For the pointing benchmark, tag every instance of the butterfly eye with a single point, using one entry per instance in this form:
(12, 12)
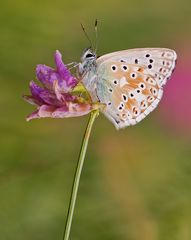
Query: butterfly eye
(89, 55)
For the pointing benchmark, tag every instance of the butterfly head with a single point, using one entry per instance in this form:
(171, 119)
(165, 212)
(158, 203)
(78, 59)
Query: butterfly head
(88, 56)
(88, 61)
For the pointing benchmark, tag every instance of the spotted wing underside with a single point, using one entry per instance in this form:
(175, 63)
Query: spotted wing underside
(130, 82)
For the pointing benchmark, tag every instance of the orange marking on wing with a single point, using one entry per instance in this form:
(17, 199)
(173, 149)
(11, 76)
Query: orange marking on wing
(146, 91)
(130, 103)
(116, 96)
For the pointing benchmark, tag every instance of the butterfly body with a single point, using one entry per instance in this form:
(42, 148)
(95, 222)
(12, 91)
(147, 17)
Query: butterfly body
(130, 82)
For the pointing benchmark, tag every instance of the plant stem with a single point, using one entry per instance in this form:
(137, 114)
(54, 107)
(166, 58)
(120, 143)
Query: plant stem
(77, 175)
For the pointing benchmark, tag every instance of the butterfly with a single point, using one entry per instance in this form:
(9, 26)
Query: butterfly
(129, 82)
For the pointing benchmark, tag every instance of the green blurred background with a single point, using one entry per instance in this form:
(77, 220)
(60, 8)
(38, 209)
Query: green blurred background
(136, 182)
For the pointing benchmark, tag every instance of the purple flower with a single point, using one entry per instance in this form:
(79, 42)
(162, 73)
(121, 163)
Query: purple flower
(62, 75)
(55, 99)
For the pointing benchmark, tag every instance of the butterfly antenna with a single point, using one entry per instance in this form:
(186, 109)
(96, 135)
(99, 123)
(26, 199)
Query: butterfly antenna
(83, 28)
(96, 35)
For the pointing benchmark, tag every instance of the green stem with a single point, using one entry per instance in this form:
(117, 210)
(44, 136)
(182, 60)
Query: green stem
(77, 175)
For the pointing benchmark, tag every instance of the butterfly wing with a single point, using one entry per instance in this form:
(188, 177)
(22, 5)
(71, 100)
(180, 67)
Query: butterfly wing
(130, 82)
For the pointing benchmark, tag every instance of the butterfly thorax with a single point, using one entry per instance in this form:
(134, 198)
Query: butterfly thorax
(87, 72)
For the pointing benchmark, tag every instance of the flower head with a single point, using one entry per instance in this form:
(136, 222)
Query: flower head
(55, 98)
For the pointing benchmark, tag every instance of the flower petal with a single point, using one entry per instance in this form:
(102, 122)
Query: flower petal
(64, 72)
(33, 115)
(46, 75)
(79, 109)
(50, 98)
(61, 112)
(72, 110)
(44, 96)
(62, 96)
(35, 91)
(69, 110)
(31, 100)
(42, 112)
(46, 111)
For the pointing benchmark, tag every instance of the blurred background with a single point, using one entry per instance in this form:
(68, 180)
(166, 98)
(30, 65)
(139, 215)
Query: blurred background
(136, 182)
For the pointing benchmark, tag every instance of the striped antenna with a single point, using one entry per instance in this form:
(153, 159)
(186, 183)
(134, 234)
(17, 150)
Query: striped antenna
(96, 35)
(88, 38)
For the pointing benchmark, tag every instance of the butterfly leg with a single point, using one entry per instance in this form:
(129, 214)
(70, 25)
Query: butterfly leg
(71, 63)
(75, 64)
